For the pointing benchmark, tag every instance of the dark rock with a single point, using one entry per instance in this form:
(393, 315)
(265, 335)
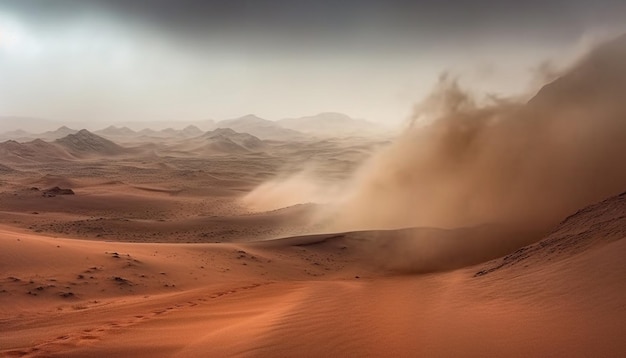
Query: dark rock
(57, 191)
(122, 281)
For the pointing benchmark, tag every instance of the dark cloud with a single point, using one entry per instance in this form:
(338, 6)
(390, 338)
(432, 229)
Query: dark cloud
(371, 59)
(339, 22)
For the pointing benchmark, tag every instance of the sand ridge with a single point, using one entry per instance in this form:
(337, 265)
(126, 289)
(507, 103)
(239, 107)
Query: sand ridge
(78, 297)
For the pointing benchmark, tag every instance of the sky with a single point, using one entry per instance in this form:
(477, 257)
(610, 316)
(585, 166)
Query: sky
(110, 61)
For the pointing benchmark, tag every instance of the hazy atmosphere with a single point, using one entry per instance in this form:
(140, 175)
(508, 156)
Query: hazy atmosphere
(312, 179)
(123, 61)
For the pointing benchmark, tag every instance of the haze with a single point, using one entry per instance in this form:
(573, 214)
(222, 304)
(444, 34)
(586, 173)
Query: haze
(117, 61)
(291, 179)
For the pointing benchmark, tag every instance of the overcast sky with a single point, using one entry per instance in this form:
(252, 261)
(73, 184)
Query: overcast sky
(121, 60)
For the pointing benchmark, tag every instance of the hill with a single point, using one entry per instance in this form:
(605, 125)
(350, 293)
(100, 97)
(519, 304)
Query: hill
(330, 124)
(259, 127)
(33, 151)
(191, 131)
(245, 140)
(113, 131)
(223, 141)
(156, 126)
(56, 134)
(86, 143)
(17, 135)
(188, 132)
(598, 77)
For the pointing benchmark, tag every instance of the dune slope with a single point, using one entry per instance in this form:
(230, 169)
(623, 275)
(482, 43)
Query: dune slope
(314, 296)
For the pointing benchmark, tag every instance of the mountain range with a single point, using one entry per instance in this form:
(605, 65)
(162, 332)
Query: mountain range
(327, 124)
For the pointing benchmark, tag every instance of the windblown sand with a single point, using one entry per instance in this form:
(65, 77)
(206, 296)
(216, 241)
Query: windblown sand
(222, 244)
(312, 296)
(157, 260)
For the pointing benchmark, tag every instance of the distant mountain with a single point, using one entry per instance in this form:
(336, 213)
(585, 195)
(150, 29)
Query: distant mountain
(259, 127)
(148, 132)
(191, 131)
(22, 135)
(598, 77)
(187, 132)
(86, 143)
(220, 146)
(113, 131)
(331, 124)
(245, 140)
(29, 124)
(56, 134)
(168, 132)
(33, 151)
(222, 141)
(203, 125)
(17, 135)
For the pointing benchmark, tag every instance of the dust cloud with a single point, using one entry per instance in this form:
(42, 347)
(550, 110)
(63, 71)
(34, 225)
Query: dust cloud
(464, 162)
(303, 187)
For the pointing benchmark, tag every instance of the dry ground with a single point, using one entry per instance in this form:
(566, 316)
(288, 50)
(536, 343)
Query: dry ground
(159, 258)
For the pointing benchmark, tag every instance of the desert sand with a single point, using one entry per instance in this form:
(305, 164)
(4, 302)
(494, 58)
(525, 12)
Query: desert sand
(315, 296)
(222, 243)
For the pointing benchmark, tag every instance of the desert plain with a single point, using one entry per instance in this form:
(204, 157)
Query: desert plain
(218, 242)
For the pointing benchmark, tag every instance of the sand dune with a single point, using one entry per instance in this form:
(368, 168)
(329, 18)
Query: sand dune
(146, 197)
(65, 292)
(311, 296)
(590, 228)
(180, 243)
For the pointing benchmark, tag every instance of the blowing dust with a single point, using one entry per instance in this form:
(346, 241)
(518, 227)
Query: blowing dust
(498, 162)
(304, 187)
